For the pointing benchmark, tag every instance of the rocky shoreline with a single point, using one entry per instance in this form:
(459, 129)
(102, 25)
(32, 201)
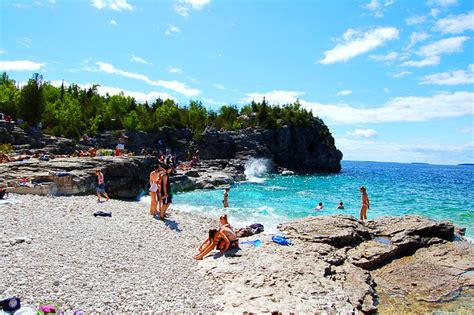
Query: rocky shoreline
(54, 249)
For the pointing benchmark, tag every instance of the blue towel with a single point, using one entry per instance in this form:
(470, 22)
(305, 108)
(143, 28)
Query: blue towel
(281, 240)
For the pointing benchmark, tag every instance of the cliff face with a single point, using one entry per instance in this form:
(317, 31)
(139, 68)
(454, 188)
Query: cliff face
(301, 149)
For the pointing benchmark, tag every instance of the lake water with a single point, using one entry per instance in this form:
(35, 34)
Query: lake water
(436, 191)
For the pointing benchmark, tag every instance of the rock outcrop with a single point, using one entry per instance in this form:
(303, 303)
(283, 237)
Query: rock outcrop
(301, 149)
(337, 263)
(126, 177)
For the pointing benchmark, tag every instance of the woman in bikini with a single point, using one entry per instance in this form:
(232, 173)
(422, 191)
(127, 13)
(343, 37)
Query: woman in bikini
(155, 190)
(365, 203)
(225, 199)
(222, 239)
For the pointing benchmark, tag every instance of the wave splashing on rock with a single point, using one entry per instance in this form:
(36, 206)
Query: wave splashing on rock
(256, 169)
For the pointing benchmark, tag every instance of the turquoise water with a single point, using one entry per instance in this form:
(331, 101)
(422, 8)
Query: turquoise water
(435, 191)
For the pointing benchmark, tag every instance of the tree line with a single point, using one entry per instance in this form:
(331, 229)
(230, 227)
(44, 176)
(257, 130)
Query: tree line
(70, 111)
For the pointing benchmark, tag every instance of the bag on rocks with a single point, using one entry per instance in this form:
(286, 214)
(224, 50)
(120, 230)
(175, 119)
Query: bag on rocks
(250, 230)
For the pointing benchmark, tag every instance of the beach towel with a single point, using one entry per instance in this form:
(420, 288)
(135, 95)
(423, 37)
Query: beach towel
(281, 240)
(255, 243)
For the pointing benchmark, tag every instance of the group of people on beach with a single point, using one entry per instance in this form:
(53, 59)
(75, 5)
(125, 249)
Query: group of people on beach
(363, 210)
(160, 189)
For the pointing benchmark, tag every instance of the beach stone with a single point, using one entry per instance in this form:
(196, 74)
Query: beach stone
(338, 230)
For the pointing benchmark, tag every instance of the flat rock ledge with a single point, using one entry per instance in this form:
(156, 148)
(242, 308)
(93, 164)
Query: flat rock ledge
(126, 177)
(337, 263)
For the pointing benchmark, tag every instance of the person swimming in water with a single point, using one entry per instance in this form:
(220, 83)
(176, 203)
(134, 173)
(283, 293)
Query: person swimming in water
(319, 206)
(340, 206)
(365, 203)
(225, 199)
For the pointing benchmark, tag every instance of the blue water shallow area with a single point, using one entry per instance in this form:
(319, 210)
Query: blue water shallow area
(435, 191)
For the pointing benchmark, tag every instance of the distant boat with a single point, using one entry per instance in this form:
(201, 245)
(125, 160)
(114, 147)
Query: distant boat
(466, 164)
(419, 163)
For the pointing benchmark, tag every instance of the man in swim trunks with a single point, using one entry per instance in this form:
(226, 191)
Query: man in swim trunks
(365, 203)
(101, 185)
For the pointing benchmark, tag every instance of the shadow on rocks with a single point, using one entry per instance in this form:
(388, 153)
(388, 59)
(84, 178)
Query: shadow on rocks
(228, 253)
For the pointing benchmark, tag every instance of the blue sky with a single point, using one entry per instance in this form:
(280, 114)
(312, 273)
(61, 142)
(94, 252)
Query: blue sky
(393, 79)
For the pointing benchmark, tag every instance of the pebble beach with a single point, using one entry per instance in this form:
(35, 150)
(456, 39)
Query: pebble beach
(54, 249)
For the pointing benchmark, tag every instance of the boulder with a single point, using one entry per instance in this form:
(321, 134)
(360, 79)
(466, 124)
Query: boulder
(337, 230)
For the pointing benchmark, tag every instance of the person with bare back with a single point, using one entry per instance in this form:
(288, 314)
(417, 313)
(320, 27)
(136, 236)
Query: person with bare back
(365, 203)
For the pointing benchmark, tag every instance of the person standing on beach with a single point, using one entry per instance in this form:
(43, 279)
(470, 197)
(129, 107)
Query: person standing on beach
(225, 199)
(165, 190)
(365, 203)
(101, 185)
(155, 190)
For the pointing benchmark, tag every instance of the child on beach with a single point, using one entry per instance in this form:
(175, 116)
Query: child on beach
(225, 199)
(101, 185)
(365, 203)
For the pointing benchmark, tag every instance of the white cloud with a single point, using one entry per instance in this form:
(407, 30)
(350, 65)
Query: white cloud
(377, 7)
(444, 46)
(456, 24)
(401, 74)
(467, 130)
(25, 42)
(454, 77)
(428, 61)
(363, 133)
(398, 109)
(113, 22)
(344, 92)
(388, 57)
(432, 52)
(140, 97)
(442, 3)
(219, 86)
(417, 19)
(417, 37)
(172, 30)
(273, 97)
(174, 70)
(171, 85)
(116, 5)
(434, 12)
(421, 151)
(184, 6)
(20, 65)
(356, 43)
(2, 52)
(136, 59)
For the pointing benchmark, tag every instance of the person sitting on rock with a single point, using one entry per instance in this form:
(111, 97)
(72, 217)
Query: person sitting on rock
(340, 206)
(319, 206)
(222, 239)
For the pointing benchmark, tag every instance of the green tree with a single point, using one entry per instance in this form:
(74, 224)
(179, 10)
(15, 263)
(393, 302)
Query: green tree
(32, 102)
(9, 95)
